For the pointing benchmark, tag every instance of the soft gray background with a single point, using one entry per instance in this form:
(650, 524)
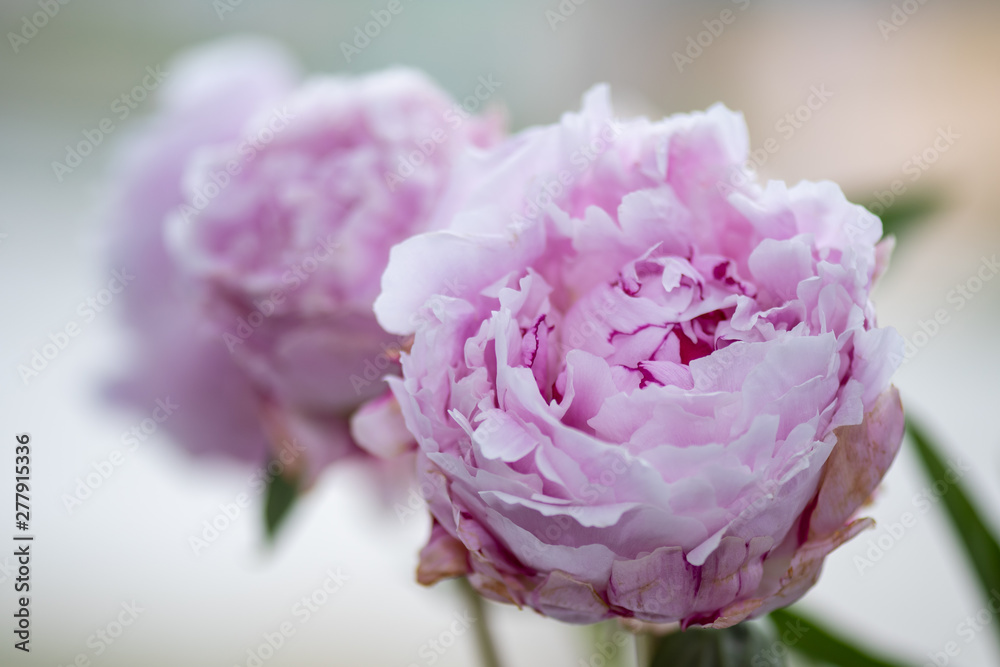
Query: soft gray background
(129, 541)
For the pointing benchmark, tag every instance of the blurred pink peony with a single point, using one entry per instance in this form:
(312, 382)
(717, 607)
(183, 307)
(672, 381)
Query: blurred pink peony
(279, 201)
(642, 386)
(208, 95)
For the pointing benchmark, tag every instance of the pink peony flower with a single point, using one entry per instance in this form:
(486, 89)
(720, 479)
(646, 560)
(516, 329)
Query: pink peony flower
(208, 95)
(278, 222)
(641, 385)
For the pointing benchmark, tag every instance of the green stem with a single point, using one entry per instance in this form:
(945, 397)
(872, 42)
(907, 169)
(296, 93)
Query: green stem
(484, 638)
(633, 657)
(645, 646)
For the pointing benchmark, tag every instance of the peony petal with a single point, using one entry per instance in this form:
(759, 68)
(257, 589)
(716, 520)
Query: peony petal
(379, 428)
(857, 464)
(659, 587)
(443, 557)
(565, 599)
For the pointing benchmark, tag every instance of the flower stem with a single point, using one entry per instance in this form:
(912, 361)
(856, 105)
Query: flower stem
(484, 639)
(633, 657)
(645, 647)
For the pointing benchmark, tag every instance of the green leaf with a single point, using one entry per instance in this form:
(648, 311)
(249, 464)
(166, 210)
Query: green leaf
(908, 210)
(282, 493)
(743, 645)
(980, 543)
(808, 638)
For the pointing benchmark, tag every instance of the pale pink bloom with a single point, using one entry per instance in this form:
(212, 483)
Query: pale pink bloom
(641, 385)
(279, 210)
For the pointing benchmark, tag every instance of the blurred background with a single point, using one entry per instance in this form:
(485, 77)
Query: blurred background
(885, 81)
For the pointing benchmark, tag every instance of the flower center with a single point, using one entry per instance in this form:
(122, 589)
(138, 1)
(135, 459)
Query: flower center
(661, 313)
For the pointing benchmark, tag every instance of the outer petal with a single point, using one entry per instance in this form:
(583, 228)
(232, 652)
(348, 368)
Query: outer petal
(379, 428)
(568, 600)
(799, 575)
(443, 557)
(858, 463)
(853, 471)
